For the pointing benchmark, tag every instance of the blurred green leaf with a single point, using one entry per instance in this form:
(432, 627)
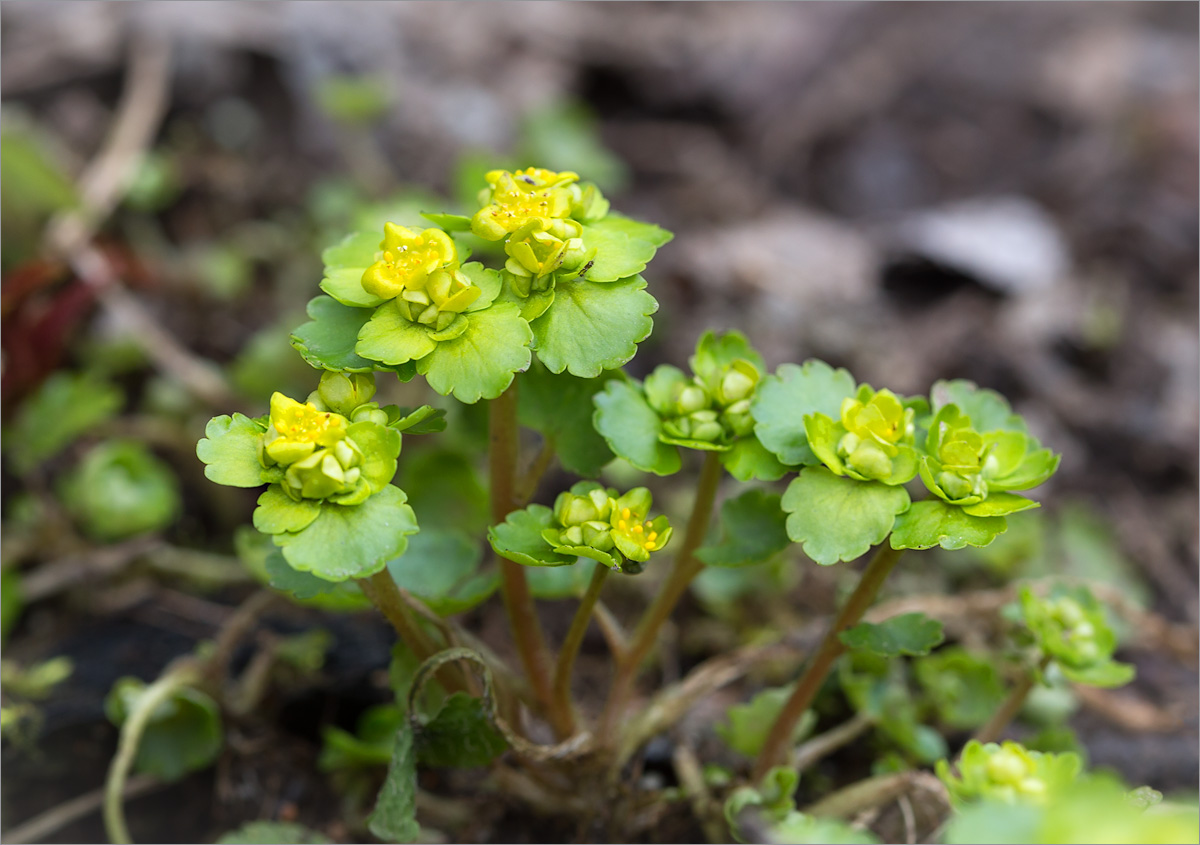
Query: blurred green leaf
(351, 99)
(908, 633)
(564, 135)
(933, 522)
(445, 490)
(560, 407)
(32, 187)
(963, 688)
(441, 567)
(372, 743)
(121, 490)
(783, 399)
(184, 733)
(753, 530)
(66, 406)
(749, 724)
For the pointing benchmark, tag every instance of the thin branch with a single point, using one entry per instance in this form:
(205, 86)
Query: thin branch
(44, 825)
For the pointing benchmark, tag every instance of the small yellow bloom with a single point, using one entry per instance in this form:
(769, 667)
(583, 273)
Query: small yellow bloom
(516, 199)
(300, 429)
(407, 260)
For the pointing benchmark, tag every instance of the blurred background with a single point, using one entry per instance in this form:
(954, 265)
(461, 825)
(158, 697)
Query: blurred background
(1000, 192)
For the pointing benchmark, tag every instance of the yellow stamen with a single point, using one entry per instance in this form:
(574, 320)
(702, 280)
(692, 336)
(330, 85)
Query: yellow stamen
(648, 546)
(652, 536)
(637, 529)
(626, 513)
(622, 524)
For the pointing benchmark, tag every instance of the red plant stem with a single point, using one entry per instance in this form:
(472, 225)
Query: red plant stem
(503, 455)
(775, 749)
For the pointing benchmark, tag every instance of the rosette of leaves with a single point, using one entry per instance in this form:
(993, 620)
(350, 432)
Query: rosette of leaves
(571, 267)
(1069, 627)
(121, 489)
(588, 521)
(646, 423)
(329, 504)
(408, 304)
(1008, 773)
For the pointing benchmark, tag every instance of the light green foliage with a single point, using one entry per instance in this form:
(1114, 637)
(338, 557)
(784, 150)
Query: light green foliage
(908, 633)
(964, 689)
(587, 521)
(32, 187)
(774, 797)
(752, 531)
(1008, 773)
(560, 582)
(37, 681)
(1069, 626)
(799, 829)
(273, 833)
(785, 398)
(747, 725)
(707, 411)
(934, 523)
(184, 733)
(1093, 808)
(441, 567)
(66, 406)
(446, 489)
(871, 440)
(837, 518)
(329, 339)
(352, 100)
(121, 490)
(305, 588)
(564, 135)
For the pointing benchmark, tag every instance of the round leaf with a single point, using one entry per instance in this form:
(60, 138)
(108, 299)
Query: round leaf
(389, 337)
(837, 518)
(631, 428)
(353, 541)
(480, 363)
(277, 512)
(618, 256)
(909, 633)
(345, 264)
(752, 531)
(441, 568)
(593, 327)
(936, 523)
(328, 341)
(782, 401)
(229, 451)
(560, 407)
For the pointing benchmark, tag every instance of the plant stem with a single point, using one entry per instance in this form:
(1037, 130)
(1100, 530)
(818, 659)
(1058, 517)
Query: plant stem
(504, 444)
(570, 646)
(775, 749)
(183, 674)
(381, 589)
(1007, 711)
(685, 569)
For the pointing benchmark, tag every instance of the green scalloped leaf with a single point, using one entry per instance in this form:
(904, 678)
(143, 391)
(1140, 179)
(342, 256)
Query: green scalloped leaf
(753, 530)
(914, 634)
(636, 229)
(328, 341)
(345, 264)
(481, 362)
(837, 518)
(1034, 469)
(618, 256)
(631, 428)
(935, 523)
(560, 407)
(387, 336)
(748, 460)
(229, 451)
(441, 568)
(594, 327)
(353, 541)
(1001, 504)
(747, 725)
(277, 512)
(988, 410)
(519, 538)
(785, 398)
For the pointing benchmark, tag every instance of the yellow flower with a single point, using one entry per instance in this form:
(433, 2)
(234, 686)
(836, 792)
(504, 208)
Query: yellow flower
(516, 199)
(408, 259)
(300, 429)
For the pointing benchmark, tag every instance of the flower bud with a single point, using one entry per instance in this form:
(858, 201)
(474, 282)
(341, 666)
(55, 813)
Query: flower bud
(343, 392)
(1006, 766)
(370, 412)
(870, 461)
(691, 399)
(738, 383)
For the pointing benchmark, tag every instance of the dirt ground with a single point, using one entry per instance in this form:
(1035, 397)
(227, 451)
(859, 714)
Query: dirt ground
(1000, 192)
